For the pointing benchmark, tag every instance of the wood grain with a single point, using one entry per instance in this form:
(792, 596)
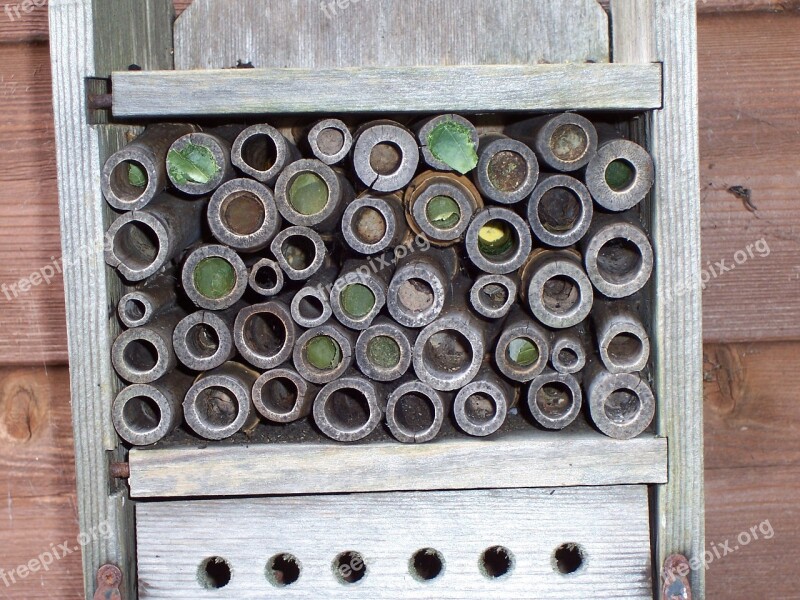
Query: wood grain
(92, 38)
(32, 329)
(387, 529)
(478, 89)
(530, 459)
(363, 33)
(750, 137)
(672, 134)
(37, 481)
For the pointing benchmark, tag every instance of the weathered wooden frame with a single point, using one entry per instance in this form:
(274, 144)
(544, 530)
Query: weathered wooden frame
(90, 38)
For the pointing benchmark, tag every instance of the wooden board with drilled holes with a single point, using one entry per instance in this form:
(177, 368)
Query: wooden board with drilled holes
(608, 525)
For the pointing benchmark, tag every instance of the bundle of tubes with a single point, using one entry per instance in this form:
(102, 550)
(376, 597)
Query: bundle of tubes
(380, 276)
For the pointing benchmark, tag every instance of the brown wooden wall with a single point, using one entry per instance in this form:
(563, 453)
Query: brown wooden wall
(749, 52)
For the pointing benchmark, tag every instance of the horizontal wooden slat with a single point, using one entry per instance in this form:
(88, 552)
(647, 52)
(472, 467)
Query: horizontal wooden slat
(516, 459)
(32, 329)
(750, 138)
(399, 89)
(609, 525)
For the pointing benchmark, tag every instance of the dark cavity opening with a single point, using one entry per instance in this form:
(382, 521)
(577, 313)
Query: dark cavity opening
(266, 277)
(129, 180)
(448, 352)
(349, 567)
(568, 357)
(622, 406)
(283, 570)
(140, 356)
(299, 252)
(347, 409)
(310, 307)
(217, 407)
(568, 558)
(280, 395)
(259, 152)
(135, 309)
(136, 245)
(496, 562)
(264, 333)
(480, 409)
(554, 399)
(427, 564)
(414, 413)
(214, 573)
(619, 260)
(494, 295)
(625, 348)
(202, 340)
(142, 414)
(560, 294)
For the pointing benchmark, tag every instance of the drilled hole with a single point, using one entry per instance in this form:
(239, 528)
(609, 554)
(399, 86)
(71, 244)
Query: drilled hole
(283, 570)
(568, 558)
(426, 564)
(349, 567)
(214, 573)
(496, 562)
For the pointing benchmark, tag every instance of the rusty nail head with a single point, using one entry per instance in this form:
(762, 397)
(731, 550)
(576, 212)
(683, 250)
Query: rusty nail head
(109, 579)
(675, 576)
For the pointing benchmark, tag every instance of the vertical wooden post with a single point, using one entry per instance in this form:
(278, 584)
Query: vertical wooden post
(665, 31)
(89, 39)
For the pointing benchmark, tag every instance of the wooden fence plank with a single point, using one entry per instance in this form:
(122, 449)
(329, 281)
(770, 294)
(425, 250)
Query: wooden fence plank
(749, 144)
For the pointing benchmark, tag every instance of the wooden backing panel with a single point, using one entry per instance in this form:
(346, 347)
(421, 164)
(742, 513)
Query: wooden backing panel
(37, 531)
(387, 529)
(752, 416)
(764, 498)
(350, 33)
(391, 89)
(36, 452)
(32, 327)
(750, 138)
(529, 459)
(91, 38)
(676, 320)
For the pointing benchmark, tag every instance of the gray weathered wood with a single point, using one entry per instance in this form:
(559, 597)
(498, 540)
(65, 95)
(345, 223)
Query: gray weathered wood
(610, 524)
(665, 30)
(515, 459)
(301, 33)
(91, 38)
(387, 89)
